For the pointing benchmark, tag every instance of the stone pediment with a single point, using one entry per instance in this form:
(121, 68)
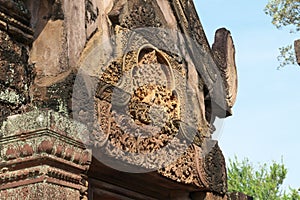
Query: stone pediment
(112, 99)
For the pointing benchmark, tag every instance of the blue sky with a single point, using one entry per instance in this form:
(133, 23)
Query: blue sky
(265, 124)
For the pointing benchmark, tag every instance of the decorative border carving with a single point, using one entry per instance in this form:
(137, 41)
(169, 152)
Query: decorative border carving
(43, 147)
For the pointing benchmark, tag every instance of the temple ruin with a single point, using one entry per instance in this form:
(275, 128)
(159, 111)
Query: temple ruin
(112, 99)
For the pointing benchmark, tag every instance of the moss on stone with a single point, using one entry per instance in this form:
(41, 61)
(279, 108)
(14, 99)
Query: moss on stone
(11, 97)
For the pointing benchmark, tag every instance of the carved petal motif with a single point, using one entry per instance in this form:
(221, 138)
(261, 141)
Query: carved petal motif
(224, 51)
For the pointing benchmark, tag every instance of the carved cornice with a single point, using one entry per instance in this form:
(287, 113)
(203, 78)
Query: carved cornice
(42, 146)
(47, 189)
(39, 174)
(42, 120)
(191, 26)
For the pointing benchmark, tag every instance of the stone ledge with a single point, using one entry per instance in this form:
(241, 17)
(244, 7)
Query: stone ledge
(43, 120)
(42, 147)
(38, 191)
(38, 174)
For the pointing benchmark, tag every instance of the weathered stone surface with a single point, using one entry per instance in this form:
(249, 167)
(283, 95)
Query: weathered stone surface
(60, 37)
(16, 9)
(45, 191)
(224, 52)
(93, 12)
(40, 151)
(14, 20)
(151, 80)
(42, 119)
(297, 50)
(75, 25)
(165, 8)
(16, 74)
(49, 51)
(55, 93)
(43, 11)
(60, 31)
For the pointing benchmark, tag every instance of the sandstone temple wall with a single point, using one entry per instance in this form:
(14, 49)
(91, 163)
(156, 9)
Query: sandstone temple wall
(112, 99)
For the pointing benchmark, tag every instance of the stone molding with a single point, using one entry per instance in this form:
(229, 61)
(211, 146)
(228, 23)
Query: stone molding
(15, 19)
(43, 147)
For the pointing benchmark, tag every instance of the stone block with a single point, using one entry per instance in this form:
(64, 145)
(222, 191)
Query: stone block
(75, 27)
(297, 50)
(49, 51)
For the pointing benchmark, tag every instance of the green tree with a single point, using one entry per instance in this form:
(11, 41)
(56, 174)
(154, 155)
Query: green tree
(263, 182)
(285, 13)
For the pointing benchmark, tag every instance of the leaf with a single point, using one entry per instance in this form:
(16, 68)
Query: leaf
(262, 183)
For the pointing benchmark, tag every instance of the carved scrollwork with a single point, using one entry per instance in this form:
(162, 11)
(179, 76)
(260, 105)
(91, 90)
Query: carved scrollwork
(206, 170)
(224, 52)
(184, 170)
(144, 116)
(142, 100)
(135, 14)
(155, 88)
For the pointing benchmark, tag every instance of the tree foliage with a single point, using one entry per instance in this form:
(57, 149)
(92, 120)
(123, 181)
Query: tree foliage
(285, 13)
(287, 56)
(262, 183)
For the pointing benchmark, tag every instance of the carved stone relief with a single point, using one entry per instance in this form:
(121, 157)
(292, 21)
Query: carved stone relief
(224, 52)
(150, 90)
(139, 104)
(146, 120)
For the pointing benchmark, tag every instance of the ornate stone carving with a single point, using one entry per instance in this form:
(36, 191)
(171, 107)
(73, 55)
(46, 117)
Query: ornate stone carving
(205, 170)
(142, 81)
(147, 120)
(151, 94)
(40, 149)
(224, 52)
(40, 191)
(136, 14)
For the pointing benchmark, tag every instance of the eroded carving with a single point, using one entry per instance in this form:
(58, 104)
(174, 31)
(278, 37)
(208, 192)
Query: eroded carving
(136, 14)
(147, 94)
(146, 120)
(155, 91)
(42, 147)
(224, 52)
